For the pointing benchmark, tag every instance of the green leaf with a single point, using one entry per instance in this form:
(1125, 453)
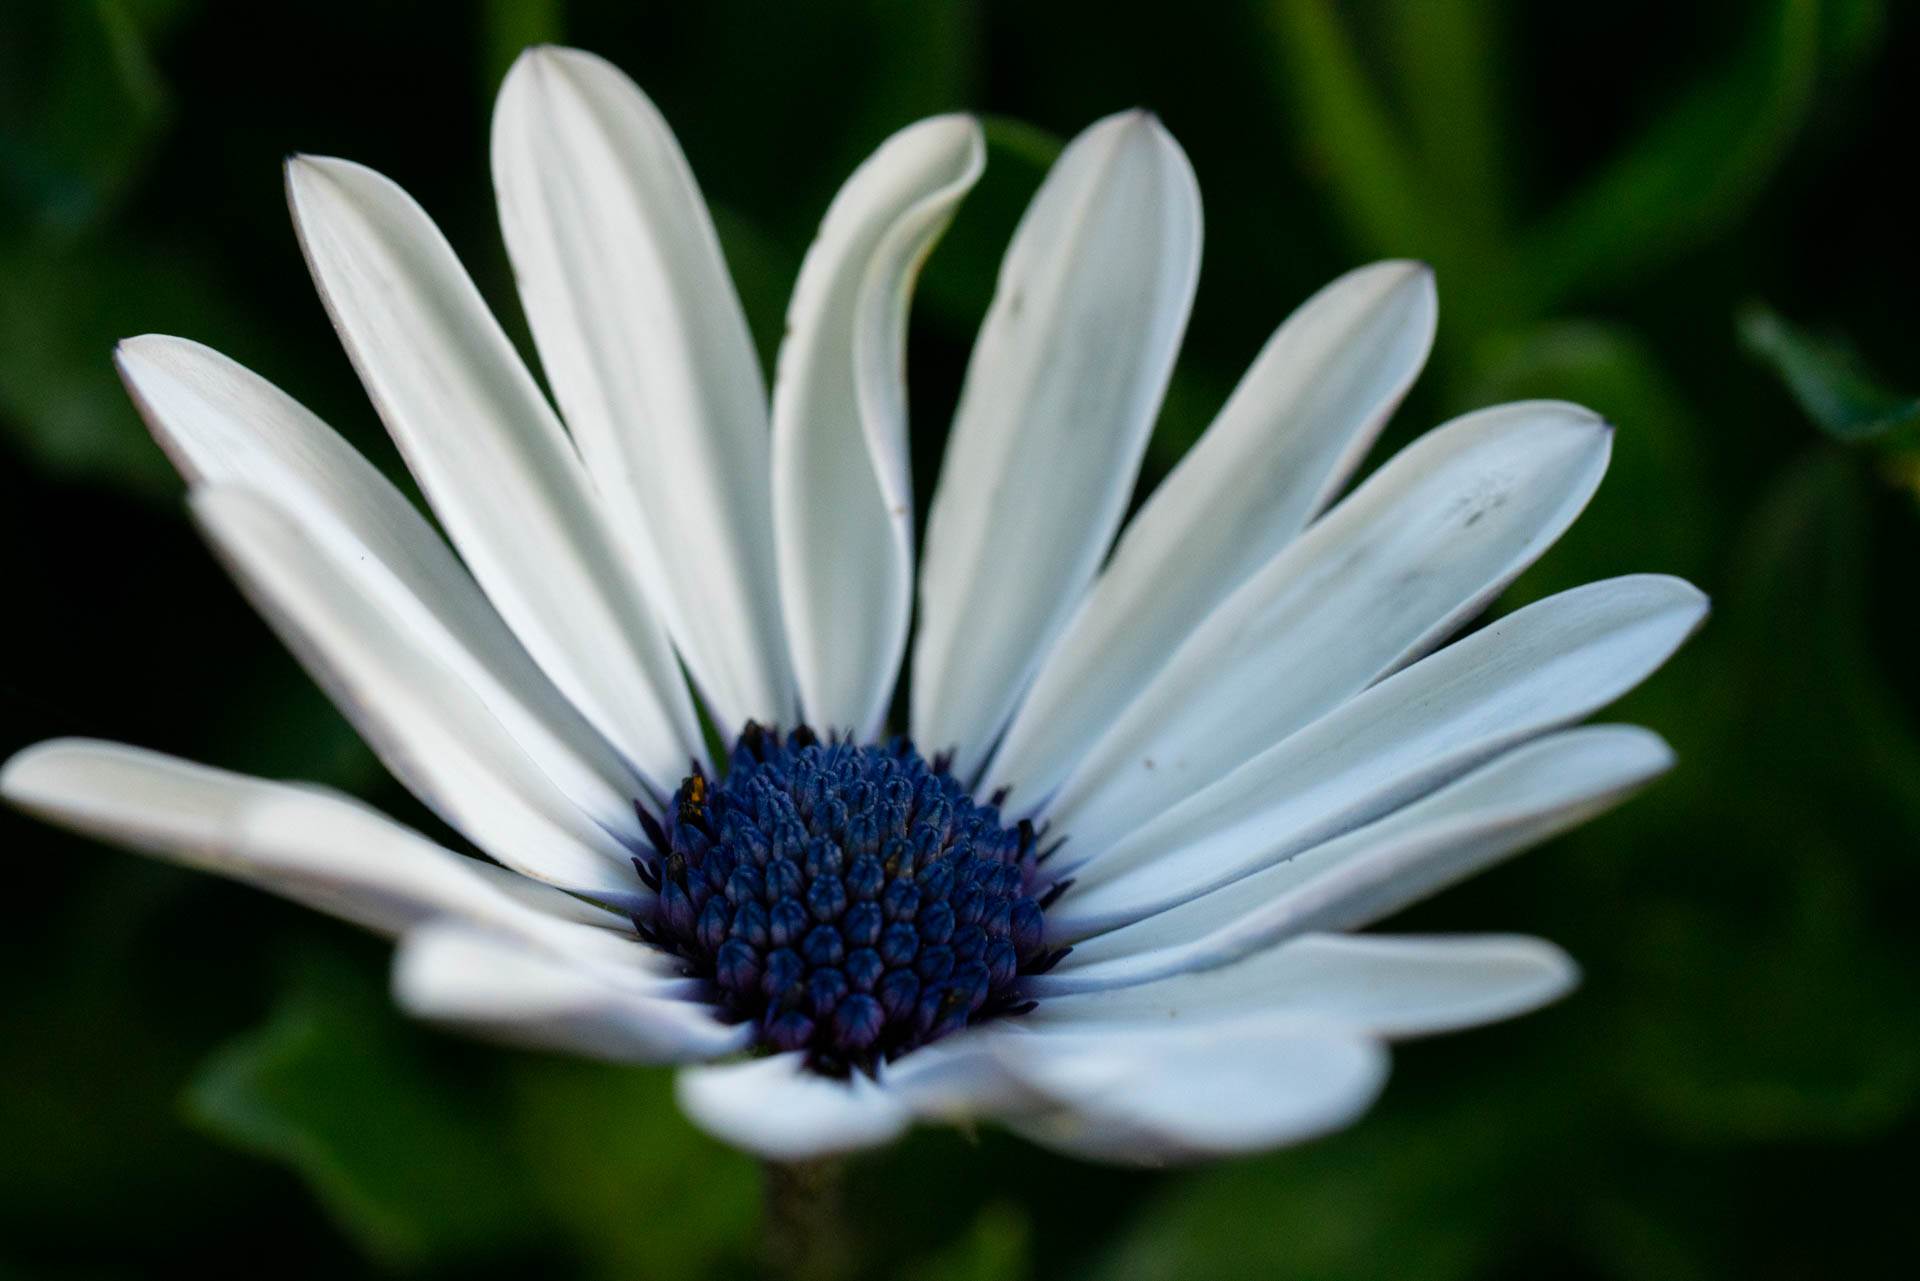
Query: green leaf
(1774, 1003)
(335, 1086)
(640, 1191)
(1690, 174)
(98, 1043)
(1348, 133)
(1852, 29)
(508, 27)
(1829, 381)
(61, 311)
(1784, 1022)
(1807, 687)
(923, 60)
(1420, 183)
(94, 103)
(1450, 81)
(1031, 145)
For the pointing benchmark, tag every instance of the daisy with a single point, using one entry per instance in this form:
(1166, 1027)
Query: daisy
(1101, 894)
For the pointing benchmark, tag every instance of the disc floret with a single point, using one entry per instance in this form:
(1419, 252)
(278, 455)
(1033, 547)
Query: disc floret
(853, 902)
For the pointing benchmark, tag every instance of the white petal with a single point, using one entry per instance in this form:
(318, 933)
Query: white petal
(842, 497)
(961, 1079)
(1281, 448)
(291, 836)
(489, 986)
(1543, 666)
(310, 845)
(491, 457)
(1370, 984)
(224, 425)
(431, 729)
(551, 900)
(1062, 389)
(1412, 554)
(779, 1109)
(647, 349)
(1161, 1097)
(1512, 803)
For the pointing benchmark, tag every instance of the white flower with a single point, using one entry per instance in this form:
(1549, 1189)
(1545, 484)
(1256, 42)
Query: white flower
(1234, 720)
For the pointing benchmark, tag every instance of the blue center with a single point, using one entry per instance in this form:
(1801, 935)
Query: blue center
(852, 902)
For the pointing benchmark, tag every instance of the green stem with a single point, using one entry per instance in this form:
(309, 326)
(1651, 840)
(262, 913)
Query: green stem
(806, 1233)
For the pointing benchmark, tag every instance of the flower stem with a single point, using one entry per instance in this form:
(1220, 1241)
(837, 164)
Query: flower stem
(805, 1232)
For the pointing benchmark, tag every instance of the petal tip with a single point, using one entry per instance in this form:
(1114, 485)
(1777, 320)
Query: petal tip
(1660, 755)
(1133, 127)
(36, 777)
(19, 775)
(1684, 595)
(135, 349)
(1401, 272)
(305, 169)
(1566, 414)
(1560, 973)
(959, 126)
(301, 173)
(156, 349)
(538, 60)
(539, 66)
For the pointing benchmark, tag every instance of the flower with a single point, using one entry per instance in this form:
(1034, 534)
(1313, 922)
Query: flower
(1110, 910)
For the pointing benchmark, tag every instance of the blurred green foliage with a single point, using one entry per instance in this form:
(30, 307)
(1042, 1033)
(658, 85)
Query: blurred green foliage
(328, 1086)
(1832, 384)
(197, 1078)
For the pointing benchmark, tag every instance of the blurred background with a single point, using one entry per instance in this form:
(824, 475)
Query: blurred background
(1684, 213)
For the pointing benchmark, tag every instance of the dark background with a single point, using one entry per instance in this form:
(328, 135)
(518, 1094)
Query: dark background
(193, 1075)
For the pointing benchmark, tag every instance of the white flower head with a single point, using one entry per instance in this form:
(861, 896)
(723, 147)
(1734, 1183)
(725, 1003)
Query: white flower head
(1161, 775)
